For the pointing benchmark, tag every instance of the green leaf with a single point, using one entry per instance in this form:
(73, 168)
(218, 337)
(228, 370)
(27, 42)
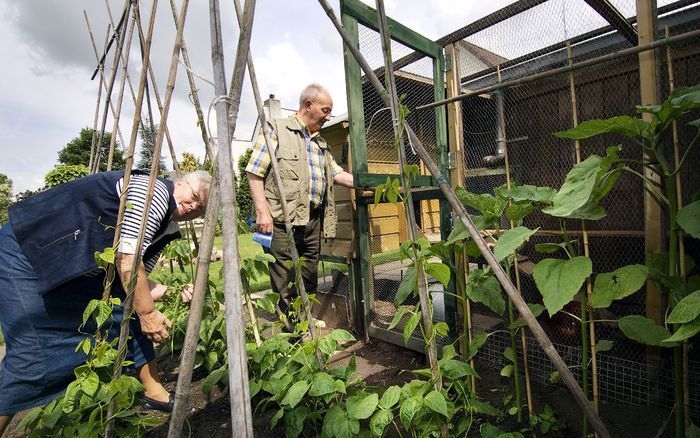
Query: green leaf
(644, 330)
(603, 345)
(407, 285)
(411, 325)
(577, 188)
(92, 305)
(629, 126)
(483, 287)
(518, 210)
(560, 280)
(489, 206)
(327, 345)
(689, 219)
(549, 248)
(459, 232)
(528, 193)
(341, 335)
(213, 378)
(390, 397)
(439, 272)
(294, 421)
(276, 418)
(91, 384)
(340, 386)
(380, 420)
(441, 329)
(686, 310)
(686, 331)
(321, 384)
(511, 240)
(295, 393)
(478, 340)
(255, 387)
(397, 318)
(507, 370)
(455, 369)
(509, 354)
(409, 409)
(361, 407)
(618, 284)
(436, 402)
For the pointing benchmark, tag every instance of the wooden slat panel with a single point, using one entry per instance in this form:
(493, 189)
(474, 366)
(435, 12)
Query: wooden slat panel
(383, 210)
(344, 211)
(345, 231)
(338, 248)
(386, 225)
(342, 194)
(375, 167)
(384, 243)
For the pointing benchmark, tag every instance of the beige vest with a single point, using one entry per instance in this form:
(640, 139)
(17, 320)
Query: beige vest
(293, 166)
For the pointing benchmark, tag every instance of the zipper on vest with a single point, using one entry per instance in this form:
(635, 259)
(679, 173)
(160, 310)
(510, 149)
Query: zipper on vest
(74, 234)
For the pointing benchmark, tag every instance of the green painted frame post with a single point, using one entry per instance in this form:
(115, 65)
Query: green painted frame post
(352, 13)
(358, 155)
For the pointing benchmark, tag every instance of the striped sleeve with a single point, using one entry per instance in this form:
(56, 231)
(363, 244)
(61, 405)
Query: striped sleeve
(136, 199)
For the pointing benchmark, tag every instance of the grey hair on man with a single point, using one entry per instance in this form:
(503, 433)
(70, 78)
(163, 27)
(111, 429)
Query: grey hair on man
(310, 92)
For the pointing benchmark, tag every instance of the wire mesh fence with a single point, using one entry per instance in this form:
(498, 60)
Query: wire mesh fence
(533, 42)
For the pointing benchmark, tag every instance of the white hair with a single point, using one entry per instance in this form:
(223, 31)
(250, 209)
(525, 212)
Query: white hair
(201, 178)
(310, 92)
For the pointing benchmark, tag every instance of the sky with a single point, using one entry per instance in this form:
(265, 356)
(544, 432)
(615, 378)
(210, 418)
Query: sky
(47, 96)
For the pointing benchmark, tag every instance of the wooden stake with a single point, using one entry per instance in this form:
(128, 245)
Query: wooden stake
(122, 83)
(504, 143)
(110, 87)
(451, 197)
(393, 103)
(129, 287)
(586, 247)
(226, 116)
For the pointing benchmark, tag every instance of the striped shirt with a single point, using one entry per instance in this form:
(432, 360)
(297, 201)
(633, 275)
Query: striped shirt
(260, 162)
(136, 199)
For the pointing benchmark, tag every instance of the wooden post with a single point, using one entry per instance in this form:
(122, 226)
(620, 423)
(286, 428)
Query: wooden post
(500, 274)
(457, 179)
(226, 116)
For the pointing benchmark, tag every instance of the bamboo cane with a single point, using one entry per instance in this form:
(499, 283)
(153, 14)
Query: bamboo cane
(93, 138)
(242, 425)
(681, 244)
(193, 90)
(423, 294)
(129, 287)
(122, 84)
(293, 253)
(110, 86)
(586, 252)
(99, 95)
(523, 339)
(443, 182)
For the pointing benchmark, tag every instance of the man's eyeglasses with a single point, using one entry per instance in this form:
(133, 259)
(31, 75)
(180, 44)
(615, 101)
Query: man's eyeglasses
(326, 110)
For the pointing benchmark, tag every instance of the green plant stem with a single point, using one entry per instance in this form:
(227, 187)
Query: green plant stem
(514, 345)
(584, 332)
(685, 154)
(649, 183)
(669, 184)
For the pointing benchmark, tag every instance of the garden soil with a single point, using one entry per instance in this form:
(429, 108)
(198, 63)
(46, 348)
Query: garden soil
(382, 365)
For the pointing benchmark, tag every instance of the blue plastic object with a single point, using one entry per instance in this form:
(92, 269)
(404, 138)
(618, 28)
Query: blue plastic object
(263, 239)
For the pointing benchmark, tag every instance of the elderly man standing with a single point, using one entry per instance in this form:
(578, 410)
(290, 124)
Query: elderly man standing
(308, 172)
(48, 275)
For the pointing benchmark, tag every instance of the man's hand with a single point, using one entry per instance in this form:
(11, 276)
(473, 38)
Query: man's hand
(154, 326)
(186, 294)
(263, 221)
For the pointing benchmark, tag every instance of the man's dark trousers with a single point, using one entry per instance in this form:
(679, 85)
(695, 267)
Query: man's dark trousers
(308, 242)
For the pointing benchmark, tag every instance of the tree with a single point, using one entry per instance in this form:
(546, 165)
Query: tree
(189, 163)
(5, 196)
(148, 134)
(64, 174)
(77, 151)
(244, 200)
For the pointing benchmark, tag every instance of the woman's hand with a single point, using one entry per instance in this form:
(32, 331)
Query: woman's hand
(154, 326)
(157, 290)
(186, 294)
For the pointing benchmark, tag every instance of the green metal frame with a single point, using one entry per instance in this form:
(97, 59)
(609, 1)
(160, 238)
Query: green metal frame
(352, 13)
